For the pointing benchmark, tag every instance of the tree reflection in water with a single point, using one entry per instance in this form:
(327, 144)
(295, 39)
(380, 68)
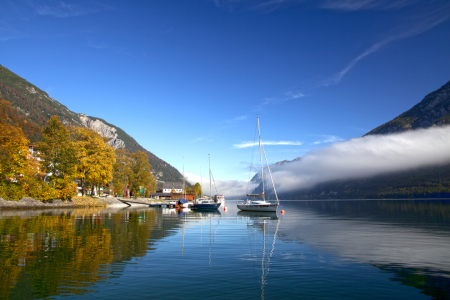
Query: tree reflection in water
(66, 251)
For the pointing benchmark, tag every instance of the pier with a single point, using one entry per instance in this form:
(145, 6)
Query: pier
(131, 202)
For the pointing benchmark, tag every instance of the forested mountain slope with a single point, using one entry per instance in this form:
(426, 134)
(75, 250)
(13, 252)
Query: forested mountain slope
(36, 107)
(434, 109)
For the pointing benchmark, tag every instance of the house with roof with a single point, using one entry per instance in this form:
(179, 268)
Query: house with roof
(172, 191)
(172, 187)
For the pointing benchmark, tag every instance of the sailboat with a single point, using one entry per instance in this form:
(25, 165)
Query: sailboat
(260, 205)
(182, 202)
(204, 202)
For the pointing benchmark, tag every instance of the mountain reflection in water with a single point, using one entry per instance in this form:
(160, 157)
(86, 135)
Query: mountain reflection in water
(318, 249)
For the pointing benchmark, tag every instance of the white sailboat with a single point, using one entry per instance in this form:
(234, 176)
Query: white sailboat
(205, 202)
(260, 205)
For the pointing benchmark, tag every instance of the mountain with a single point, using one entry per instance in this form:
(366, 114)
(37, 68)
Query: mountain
(427, 182)
(36, 106)
(273, 167)
(433, 110)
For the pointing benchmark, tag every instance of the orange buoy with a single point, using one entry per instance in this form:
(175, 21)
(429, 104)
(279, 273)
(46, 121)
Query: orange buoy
(282, 212)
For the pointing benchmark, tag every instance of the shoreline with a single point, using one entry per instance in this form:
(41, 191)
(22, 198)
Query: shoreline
(30, 203)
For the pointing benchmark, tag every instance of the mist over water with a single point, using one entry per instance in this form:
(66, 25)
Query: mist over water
(361, 157)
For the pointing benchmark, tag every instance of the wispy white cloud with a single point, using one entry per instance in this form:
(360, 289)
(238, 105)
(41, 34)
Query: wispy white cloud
(233, 122)
(237, 119)
(263, 6)
(7, 34)
(65, 10)
(201, 139)
(354, 5)
(328, 139)
(97, 45)
(420, 24)
(359, 129)
(288, 96)
(267, 143)
(268, 6)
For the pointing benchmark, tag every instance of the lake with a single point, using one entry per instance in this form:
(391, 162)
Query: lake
(355, 249)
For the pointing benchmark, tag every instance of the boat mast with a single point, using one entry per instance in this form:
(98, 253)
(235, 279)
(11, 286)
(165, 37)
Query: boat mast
(201, 183)
(184, 193)
(210, 192)
(270, 173)
(260, 157)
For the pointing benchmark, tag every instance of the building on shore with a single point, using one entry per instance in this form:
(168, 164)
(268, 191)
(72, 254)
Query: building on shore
(172, 191)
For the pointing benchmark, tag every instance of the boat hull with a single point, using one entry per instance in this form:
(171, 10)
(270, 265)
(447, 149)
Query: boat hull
(206, 206)
(258, 207)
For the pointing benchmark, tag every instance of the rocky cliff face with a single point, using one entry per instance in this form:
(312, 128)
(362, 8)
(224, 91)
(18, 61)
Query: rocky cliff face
(104, 130)
(433, 110)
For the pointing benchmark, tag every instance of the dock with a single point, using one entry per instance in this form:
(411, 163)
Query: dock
(131, 202)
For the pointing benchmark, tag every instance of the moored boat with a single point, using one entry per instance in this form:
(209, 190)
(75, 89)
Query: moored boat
(260, 205)
(205, 204)
(257, 205)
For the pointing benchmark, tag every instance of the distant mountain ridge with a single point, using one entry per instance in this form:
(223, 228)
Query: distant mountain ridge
(36, 106)
(433, 110)
(256, 179)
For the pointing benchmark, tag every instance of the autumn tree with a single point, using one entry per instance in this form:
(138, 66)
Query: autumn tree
(141, 172)
(13, 161)
(197, 188)
(58, 155)
(121, 171)
(132, 171)
(20, 171)
(95, 158)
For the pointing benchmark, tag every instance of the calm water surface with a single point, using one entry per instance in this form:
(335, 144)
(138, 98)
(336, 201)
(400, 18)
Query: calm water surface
(317, 250)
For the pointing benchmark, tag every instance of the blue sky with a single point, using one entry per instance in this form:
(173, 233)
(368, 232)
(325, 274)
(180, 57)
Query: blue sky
(187, 78)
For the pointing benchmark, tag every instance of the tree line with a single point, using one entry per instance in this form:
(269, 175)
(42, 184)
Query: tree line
(65, 154)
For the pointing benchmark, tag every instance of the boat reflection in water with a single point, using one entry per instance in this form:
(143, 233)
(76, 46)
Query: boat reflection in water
(258, 215)
(262, 221)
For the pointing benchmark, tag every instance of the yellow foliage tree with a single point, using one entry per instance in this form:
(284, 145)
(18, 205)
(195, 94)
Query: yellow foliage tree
(141, 173)
(13, 161)
(57, 153)
(121, 171)
(13, 151)
(95, 157)
(132, 171)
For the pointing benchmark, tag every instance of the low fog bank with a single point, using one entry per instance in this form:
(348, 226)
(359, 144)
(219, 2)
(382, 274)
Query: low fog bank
(230, 188)
(357, 158)
(366, 157)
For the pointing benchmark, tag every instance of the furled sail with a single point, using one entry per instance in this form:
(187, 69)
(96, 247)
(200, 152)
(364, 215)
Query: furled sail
(256, 195)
